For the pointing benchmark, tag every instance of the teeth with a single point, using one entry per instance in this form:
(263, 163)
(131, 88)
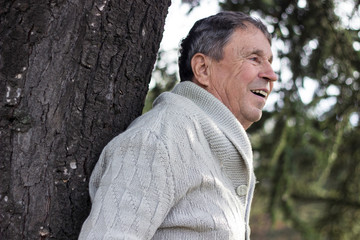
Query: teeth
(260, 92)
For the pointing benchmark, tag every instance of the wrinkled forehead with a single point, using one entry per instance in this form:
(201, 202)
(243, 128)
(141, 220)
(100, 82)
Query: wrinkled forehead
(249, 41)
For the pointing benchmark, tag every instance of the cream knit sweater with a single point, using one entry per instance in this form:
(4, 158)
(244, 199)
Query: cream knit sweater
(181, 171)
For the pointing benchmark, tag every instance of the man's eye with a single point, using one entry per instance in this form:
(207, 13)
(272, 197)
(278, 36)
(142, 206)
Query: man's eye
(255, 59)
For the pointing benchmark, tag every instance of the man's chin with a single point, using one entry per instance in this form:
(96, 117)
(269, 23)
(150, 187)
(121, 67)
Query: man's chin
(258, 116)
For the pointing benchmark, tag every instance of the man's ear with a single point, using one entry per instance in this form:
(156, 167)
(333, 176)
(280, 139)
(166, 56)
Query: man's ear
(200, 64)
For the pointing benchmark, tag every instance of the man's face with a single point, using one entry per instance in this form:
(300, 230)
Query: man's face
(244, 78)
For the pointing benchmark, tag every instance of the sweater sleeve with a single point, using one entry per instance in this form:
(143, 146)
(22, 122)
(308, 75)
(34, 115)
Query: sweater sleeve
(131, 189)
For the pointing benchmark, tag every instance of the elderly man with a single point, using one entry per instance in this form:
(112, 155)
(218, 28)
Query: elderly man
(184, 170)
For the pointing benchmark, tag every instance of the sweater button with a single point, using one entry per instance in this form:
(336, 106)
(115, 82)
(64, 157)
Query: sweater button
(241, 190)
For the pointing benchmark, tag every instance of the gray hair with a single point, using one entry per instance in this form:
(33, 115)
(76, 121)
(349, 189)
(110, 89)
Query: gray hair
(209, 36)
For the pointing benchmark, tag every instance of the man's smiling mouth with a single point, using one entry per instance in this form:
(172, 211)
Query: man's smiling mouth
(260, 93)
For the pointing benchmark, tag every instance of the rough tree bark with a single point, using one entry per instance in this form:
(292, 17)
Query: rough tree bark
(73, 74)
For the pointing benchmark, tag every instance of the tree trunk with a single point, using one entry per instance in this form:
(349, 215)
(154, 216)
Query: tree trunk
(73, 74)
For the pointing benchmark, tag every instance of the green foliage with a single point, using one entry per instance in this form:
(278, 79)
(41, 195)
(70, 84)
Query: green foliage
(308, 157)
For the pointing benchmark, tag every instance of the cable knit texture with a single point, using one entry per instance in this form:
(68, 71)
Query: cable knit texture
(181, 171)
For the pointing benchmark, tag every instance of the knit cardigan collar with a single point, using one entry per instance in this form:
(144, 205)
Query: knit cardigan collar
(220, 114)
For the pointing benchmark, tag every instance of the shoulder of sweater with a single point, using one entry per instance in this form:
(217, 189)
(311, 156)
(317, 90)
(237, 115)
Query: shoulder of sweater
(169, 109)
(164, 117)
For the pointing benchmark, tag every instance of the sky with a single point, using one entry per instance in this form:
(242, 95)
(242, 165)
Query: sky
(178, 23)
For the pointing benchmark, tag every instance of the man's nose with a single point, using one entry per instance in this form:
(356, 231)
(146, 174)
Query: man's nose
(268, 73)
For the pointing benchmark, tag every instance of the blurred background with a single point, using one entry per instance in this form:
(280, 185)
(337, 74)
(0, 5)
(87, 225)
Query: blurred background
(306, 146)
